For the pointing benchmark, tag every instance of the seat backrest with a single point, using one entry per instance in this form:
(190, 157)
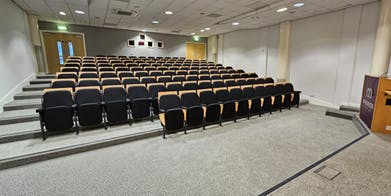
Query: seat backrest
(164, 79)
(63, 83)
(207, 97)
(260, 91)
(190, 85)
(154, 89)
(236, 93)
(204, 84)
(190, 99)
(65, 75)
(147, 80)
(169, 101)
(57, 97)
(125, 74)
(269, 80)
(223, 95)
(88, 82)
(130, 80)
(178, 78)
(85, 95)
(114, 94)
(248, 92)
(289, 87)
(174, 86)
(108, 74)
(110, 81)
(137, 91)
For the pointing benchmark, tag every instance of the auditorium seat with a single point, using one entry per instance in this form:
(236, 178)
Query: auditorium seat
(69, 69)
(254, 101)
(241, 102)
(153, 90)
(203, 84)
(295, 98)
(116, 107)
(266, 100)
(139, 102)
(164, 79)
(57, 111)
(193, 111)
(107, 74)
(171, 115)
(269, 80)
(218, 83)
(228, 111)
(211, 107)
(178, 78)
(89, 106)
(148, 79)
(276, 96)
(190, 85)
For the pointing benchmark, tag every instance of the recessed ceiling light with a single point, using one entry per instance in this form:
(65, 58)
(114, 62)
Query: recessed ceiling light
(79, 12)
(192, 33)
(299, 4)
(62, 13)
(207, 28)
(282, 9)
(235, 23)
(144, 30)
(168, 12)
(155, 22)
(202, 30)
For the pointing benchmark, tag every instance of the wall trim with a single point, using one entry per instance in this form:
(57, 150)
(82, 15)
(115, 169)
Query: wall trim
(316, 101)
(17, 89)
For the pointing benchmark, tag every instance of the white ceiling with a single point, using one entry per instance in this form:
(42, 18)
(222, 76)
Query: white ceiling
(189, 15)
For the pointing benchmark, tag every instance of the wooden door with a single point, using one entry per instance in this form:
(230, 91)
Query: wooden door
(59, 46)
(195, 51)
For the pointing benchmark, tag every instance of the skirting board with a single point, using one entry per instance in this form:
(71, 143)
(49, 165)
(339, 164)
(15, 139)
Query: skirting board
(319, 102)
(17, 89)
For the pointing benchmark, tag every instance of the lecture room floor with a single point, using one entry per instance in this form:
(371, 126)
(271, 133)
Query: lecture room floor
(243, 158)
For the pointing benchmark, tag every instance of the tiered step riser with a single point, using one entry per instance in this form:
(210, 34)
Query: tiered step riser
(21, 107)
(41, 81)
(7, 121)
(340, 114)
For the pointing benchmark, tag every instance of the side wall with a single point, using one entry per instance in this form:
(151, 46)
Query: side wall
(254, 50)
(331, 53)
(108, 41)
(17, 60)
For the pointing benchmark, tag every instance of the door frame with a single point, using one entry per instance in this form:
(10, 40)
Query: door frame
(46, 67)
(205, 44)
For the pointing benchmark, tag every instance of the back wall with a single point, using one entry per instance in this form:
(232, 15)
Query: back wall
(107, 41)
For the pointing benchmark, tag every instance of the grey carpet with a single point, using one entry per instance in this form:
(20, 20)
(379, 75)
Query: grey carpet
(245, 158)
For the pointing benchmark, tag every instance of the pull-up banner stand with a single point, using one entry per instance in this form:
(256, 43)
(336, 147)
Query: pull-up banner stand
(375, 110)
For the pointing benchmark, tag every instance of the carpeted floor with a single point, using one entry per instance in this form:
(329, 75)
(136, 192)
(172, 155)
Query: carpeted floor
(243, 158)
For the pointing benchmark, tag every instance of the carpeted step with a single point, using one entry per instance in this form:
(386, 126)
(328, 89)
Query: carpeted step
(22, 104)
(46, 76)
(28, 95)
(340, 114)
(349, 108)
(18, 116)
(41, 81)
(36, 87)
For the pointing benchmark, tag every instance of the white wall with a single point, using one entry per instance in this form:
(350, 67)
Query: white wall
(331, 53)
(254, 50)
(17, 61)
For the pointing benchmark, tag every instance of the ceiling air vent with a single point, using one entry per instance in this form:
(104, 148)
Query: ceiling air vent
(214, 15)
(122, 12)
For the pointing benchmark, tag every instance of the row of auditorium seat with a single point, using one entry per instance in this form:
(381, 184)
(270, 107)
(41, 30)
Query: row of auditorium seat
(156, 74)
(161, 68)
(134, 63)
(171, 85)
(90, 106)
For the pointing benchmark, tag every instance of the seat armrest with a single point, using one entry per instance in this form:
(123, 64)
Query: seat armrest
(102, 103)
(162, 110)
(74, 106)
(39, 110)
